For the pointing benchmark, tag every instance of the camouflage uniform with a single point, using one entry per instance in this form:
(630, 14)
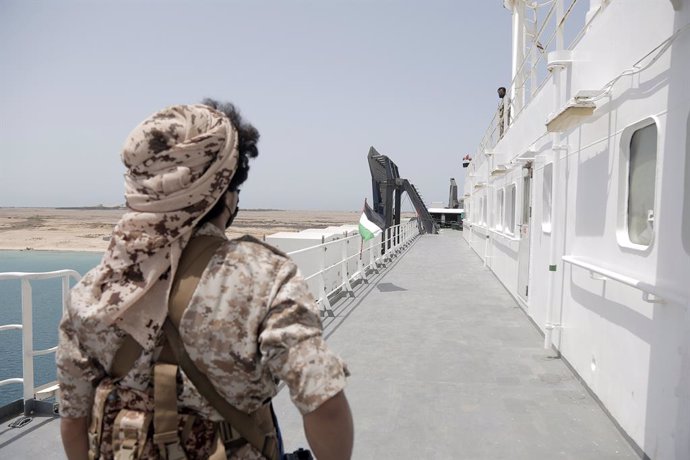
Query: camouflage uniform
(503, 118)
(251, 320)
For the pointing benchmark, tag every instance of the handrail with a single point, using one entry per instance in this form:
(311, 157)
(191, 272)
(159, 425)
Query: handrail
(393, 239)
(32, 276)
(29, 392)
(660, 295)
(507, 236)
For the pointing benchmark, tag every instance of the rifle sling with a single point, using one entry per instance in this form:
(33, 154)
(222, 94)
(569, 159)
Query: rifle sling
(245, 424)
(192, 263)
(194, 260)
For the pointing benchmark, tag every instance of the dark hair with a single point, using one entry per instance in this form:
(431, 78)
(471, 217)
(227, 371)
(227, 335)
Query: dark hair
(247, 138)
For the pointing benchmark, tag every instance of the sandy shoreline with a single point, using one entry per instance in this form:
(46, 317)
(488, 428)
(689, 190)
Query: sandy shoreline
(52, 229)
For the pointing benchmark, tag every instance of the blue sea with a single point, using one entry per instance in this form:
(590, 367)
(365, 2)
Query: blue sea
(47, 310)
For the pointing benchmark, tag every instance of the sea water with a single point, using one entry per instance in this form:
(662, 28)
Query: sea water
(47, 310)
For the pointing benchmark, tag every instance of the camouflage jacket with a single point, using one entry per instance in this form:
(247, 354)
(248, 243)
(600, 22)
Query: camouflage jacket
(251, 322)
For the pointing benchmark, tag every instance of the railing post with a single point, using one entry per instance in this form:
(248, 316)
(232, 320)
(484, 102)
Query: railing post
(325, 303)
(65, 291)
(396, 235)
(343, 266)
(360, 264)
(391, 242)
(372, 262)
(27, 346)
(386, 242)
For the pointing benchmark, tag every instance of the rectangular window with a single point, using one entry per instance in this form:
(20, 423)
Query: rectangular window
(547, 185)
(642, 185)
(526, 195)
(484, 210)
(509, 225)
(499, 222)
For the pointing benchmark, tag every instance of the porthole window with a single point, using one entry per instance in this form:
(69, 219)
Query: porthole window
(641, 185)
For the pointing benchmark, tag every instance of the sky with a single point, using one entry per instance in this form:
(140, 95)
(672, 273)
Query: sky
(321, 80)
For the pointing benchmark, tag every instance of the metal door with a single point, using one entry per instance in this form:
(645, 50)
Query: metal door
(526, 217)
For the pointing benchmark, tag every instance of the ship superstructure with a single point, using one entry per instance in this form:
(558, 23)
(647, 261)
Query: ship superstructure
(578, 199)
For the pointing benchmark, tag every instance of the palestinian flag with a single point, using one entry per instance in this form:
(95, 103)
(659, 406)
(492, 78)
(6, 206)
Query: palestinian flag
(370, 224)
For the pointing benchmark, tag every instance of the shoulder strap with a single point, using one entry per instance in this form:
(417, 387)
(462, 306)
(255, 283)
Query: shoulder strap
(194, 260)
(263, 438)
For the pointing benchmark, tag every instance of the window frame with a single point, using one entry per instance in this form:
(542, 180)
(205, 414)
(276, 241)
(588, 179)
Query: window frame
(510, 229)
(622, 231)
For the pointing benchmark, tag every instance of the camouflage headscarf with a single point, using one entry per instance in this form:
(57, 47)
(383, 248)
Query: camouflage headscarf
(179, 162)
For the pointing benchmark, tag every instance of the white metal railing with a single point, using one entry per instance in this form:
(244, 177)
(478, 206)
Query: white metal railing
(394, 240)
(650, 292)
(30, 392)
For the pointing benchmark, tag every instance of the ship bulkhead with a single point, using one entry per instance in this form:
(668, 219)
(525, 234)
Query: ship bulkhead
(579, 202)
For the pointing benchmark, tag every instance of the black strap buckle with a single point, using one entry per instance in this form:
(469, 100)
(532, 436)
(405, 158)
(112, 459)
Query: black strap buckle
(299, 454)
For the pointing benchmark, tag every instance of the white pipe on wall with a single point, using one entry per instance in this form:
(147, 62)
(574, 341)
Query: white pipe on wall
(555, 189)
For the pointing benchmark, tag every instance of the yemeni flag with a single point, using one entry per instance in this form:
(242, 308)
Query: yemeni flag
(370, 224)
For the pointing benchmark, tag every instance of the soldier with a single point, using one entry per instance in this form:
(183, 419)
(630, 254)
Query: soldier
(250, 322)
(503, 117)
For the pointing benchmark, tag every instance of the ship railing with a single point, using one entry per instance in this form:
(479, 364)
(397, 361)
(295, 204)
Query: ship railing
(33, 397)
(650, 292)
(368, 257)
(357, 259)
(545, 31)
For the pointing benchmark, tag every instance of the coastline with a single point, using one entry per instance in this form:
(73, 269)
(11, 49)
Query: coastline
(71, 249)
(89, 229)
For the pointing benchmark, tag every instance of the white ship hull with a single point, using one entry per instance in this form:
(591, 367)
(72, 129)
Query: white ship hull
(616, 309)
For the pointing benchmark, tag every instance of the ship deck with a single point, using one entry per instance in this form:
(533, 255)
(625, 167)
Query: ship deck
(445, 365)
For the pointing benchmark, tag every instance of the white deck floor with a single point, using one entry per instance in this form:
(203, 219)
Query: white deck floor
(445, 365)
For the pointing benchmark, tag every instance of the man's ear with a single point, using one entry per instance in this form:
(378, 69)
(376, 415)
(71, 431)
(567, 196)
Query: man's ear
(232, 200)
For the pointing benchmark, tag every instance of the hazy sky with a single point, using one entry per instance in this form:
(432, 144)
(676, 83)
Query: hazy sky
(321, 80)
